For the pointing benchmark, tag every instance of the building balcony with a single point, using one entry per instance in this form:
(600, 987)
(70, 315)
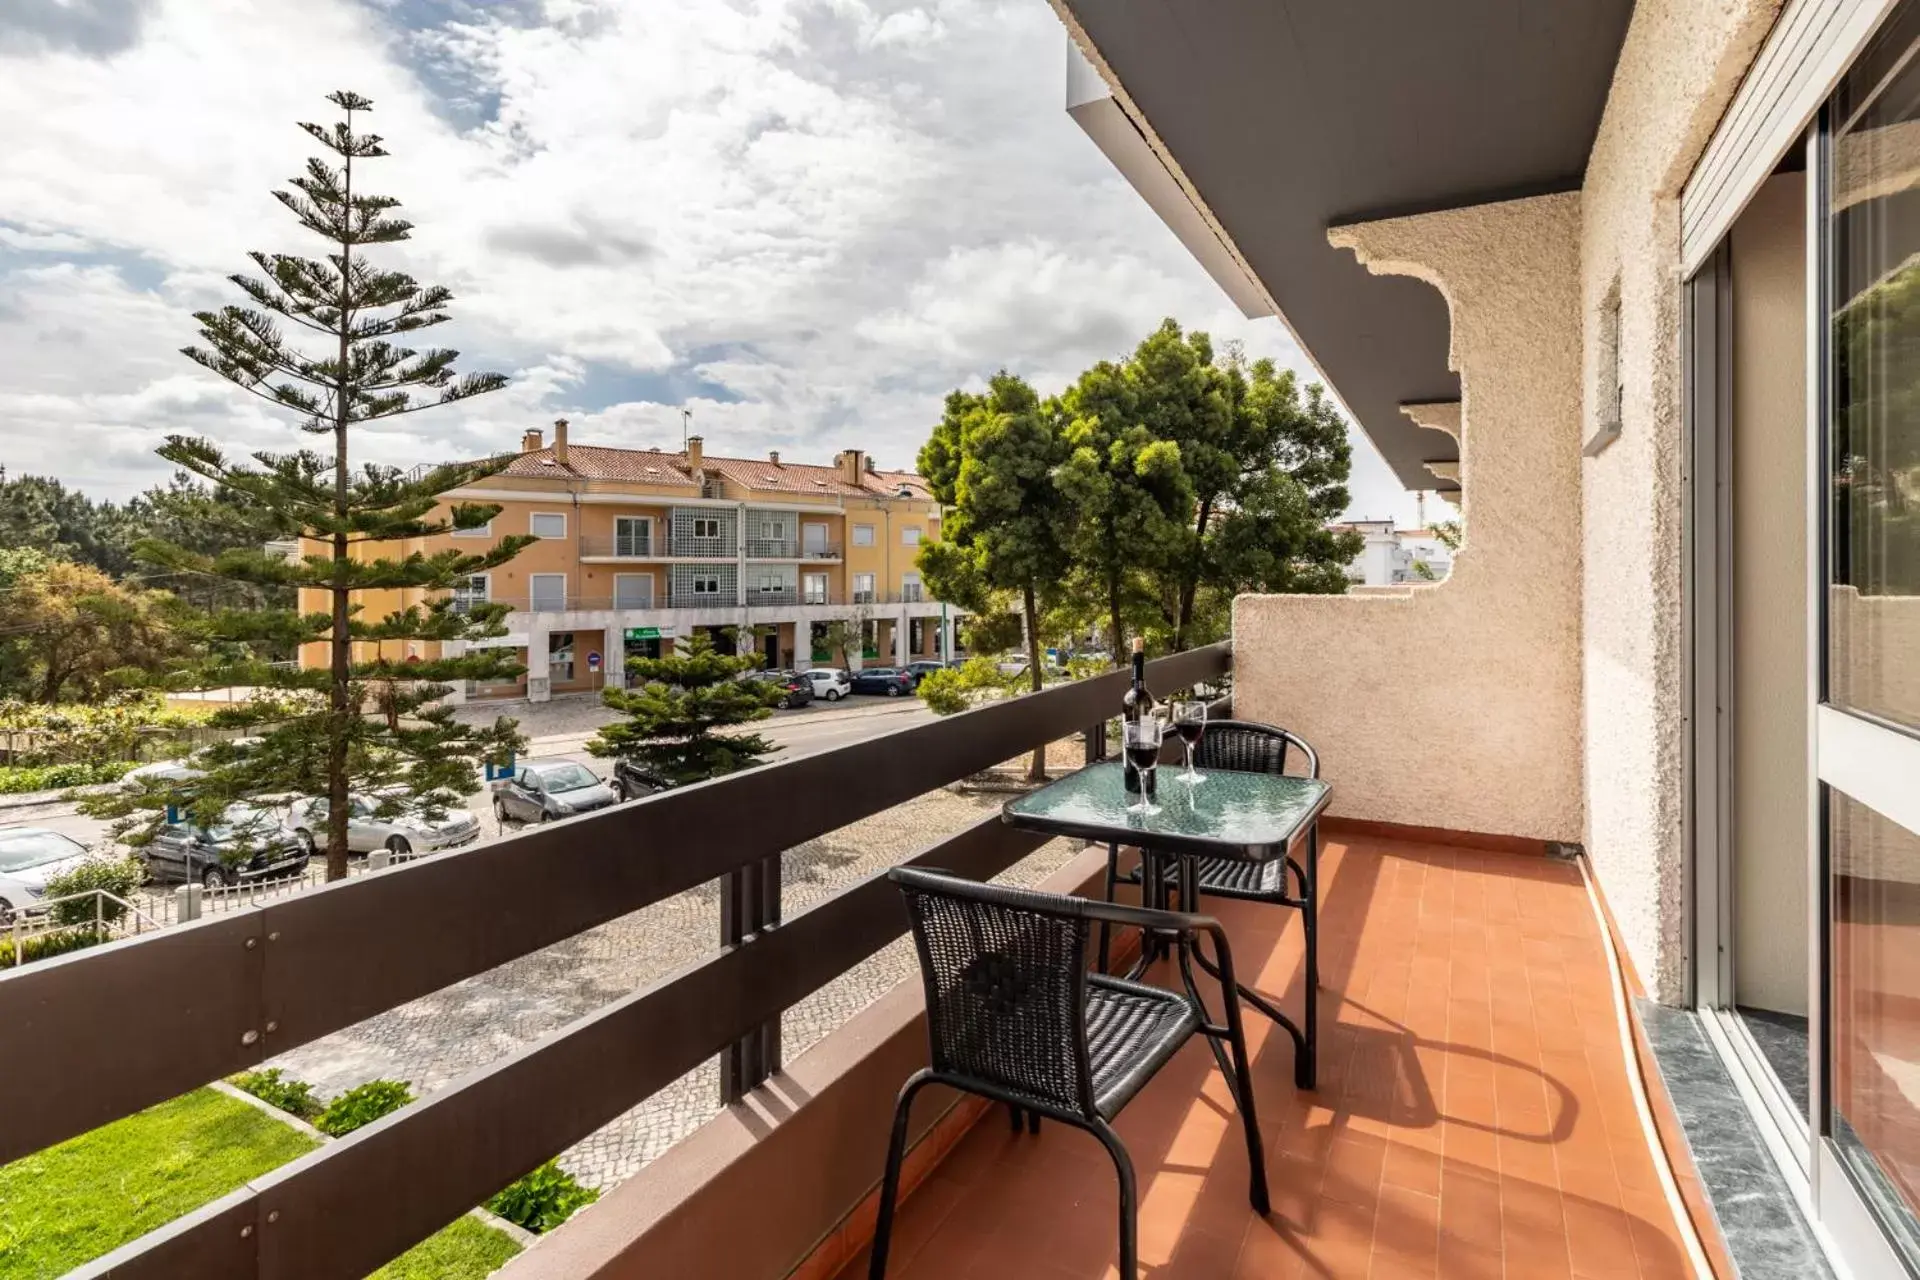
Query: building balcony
(623, 547)
(1476, 1113)
(687, 546)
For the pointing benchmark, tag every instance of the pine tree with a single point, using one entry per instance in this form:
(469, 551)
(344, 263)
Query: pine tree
(674, 708)
(352, 725)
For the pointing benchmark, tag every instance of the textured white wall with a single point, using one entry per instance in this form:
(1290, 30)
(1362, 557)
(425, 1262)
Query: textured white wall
(1490, 740)
(1680, 64)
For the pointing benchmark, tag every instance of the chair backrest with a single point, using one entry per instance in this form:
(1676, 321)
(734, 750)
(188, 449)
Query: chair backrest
(1005, 974)
(1252, 748)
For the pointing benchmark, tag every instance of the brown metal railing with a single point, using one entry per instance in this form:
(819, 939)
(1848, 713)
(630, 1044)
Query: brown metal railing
(133, 1023)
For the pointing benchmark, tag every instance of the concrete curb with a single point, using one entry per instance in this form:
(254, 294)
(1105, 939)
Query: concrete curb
(58, 795)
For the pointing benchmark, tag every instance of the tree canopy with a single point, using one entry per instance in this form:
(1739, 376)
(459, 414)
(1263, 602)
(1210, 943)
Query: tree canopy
(676, 705)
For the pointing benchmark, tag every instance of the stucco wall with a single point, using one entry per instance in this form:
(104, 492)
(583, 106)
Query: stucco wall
(1486, 736)
(1680, 64)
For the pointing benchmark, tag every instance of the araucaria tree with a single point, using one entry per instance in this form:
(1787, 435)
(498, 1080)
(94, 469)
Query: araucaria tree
(675, 706)
(991, 464)
(367, 719)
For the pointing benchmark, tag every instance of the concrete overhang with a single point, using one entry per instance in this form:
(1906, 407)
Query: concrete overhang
(1253, 126)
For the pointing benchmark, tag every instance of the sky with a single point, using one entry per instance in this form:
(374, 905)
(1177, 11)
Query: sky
(805, 220)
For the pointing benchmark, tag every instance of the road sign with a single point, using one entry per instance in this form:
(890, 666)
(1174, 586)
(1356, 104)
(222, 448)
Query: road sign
(499, 772)
(642, 633)
(593, 659)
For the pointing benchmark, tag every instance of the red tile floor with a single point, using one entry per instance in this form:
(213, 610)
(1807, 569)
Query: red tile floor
(1474, 1117)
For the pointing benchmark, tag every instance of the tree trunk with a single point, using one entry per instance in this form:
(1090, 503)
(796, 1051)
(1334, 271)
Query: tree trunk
(1037, 768)
(340, 644)
(1183, 618)
(1116, 633)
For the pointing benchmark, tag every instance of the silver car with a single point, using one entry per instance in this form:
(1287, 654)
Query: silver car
(410, 831)
(542, 790)
(29, 857)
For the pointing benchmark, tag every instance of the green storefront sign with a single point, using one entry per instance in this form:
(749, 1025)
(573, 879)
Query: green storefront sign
(643, 633)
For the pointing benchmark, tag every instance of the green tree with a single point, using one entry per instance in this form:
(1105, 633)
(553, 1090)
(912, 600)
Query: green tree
(42, 514)
(1126, 486)
(990, 463)
(367, 720)
(68, 631)
(675, 708)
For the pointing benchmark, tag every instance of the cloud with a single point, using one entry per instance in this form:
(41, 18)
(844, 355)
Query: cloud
(96, 28)
(805, 219)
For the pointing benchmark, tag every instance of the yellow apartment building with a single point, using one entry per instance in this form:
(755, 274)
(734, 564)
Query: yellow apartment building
(640, 547)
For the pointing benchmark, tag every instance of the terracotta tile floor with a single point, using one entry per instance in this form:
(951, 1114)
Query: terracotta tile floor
(1473, 1118)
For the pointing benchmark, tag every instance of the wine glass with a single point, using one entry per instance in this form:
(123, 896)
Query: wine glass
(1141, 740)
(1190, 722)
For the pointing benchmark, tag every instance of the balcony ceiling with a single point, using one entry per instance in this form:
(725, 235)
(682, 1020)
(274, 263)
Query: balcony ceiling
(1291, 116)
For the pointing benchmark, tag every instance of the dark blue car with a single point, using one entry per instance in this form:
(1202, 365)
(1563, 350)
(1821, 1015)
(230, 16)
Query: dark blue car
(891, 681)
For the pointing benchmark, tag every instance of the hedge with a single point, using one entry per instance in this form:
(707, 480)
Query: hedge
(15, 779)
(40, 946)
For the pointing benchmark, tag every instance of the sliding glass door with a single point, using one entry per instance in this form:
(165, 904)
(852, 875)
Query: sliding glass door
(1868, 720)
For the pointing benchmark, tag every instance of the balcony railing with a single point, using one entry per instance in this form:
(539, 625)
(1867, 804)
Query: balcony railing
(792, 596)
(135, 1023)
(700, 547)
(753, 599)
(772, 549)
(627, 546)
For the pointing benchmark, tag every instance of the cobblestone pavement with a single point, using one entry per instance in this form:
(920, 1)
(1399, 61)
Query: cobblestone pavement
(435, 1039)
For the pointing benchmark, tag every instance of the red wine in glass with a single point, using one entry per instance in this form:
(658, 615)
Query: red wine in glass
(1143, 755)
(1190, 731)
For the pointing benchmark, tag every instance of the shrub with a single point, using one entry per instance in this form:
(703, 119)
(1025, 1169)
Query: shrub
(543, 1199)
(295, 1097)
(944, 692)
(362, 1105)
(15, 779)
(116, 876)
(42, 945)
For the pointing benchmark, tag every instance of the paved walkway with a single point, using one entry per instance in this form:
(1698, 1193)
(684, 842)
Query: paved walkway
(434, 1040)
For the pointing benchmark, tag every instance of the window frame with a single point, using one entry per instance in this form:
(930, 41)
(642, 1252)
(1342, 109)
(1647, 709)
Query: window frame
(869, 540)
(533, 516)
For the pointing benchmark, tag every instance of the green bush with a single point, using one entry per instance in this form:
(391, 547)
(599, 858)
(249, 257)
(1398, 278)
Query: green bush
(42, 945)
(362, 1105)
(944, 692)
(116, 876)
(295, 1097)
(543, 1199)
(15, 779)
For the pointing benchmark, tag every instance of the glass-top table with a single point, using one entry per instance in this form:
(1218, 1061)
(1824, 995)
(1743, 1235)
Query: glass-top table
(1256, 816)
(1230, 815)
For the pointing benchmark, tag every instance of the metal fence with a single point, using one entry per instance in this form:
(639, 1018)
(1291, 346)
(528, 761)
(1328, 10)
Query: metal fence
(124, 1026)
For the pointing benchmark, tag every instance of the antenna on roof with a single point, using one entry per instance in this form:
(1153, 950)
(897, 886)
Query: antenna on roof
(686, 426)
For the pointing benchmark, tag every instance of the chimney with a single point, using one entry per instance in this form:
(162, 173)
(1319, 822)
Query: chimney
(851, 462)
(560, 441)
(530, 442)
(695, 451)
(773, 456)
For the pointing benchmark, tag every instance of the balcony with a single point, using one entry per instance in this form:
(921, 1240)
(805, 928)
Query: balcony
(1475, 1108)
(793, 596)
(620, 547)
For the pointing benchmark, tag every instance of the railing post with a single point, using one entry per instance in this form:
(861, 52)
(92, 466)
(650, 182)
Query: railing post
(1097, 742)
(749, 905)
(186, 903)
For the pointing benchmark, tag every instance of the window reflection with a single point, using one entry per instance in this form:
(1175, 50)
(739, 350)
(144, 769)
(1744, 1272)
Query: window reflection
(1873, 662)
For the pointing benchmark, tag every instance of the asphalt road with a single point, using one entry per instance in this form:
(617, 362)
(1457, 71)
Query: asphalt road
(803, 731)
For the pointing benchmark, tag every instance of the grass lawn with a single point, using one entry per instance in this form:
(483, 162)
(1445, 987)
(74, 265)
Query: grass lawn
(69, 1204)
(467, 1250)
(91, 1194)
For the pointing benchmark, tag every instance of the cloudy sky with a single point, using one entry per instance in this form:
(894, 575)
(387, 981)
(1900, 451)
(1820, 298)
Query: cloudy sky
(807, 220)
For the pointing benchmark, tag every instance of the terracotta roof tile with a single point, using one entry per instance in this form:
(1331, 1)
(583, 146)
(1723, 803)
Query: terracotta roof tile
(646, 466)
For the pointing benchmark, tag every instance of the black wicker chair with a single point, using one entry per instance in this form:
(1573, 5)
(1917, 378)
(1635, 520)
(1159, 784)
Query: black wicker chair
(1013, 1015)
(1251, 747)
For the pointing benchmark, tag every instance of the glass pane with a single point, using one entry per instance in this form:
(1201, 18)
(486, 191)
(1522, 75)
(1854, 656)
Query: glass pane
(1875, 867)
(1873, 628)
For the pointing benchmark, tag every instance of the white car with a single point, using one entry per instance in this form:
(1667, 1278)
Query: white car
(410, 831)
(830, 684)
(29, 857)
(172, 772)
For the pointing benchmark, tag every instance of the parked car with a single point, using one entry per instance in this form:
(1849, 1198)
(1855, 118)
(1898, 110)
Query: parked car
(632, 780)
(921, 669)
(249, 842)
(29, 857)
(173, 772)
(412, 830)
(830, 683)
(795, 690)
(892, 681)
(542, 790)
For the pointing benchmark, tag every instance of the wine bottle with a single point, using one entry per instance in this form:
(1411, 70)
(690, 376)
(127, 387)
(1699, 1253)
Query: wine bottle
(1135, 704)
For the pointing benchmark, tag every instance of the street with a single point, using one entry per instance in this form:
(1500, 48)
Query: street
(569, 724)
